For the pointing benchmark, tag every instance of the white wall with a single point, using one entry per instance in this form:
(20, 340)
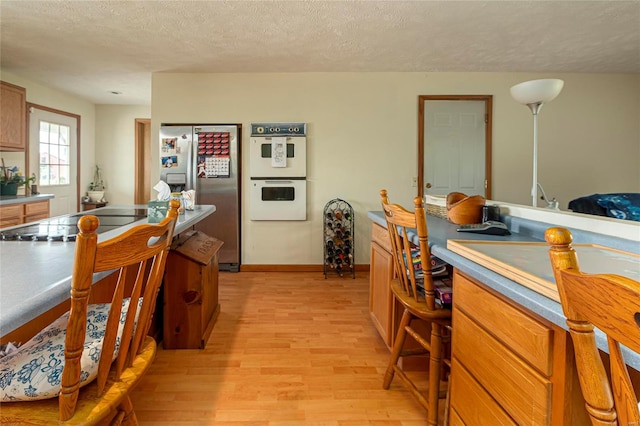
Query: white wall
(362, 137)
(115, 148)
(45, 96)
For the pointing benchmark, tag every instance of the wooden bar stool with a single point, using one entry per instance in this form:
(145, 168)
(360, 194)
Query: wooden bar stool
(612, 304)
(417, 296)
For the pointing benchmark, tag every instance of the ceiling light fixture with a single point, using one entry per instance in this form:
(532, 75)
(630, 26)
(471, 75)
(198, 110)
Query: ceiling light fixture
(534, 94)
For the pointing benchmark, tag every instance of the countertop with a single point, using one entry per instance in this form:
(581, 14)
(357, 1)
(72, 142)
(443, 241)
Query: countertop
(36, 276)
(5, 200)
(522, 230)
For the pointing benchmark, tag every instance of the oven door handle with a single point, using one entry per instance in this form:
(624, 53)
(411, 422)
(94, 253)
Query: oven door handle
(279, 182)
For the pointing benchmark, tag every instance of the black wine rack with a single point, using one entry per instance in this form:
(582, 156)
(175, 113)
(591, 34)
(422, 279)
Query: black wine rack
(339, 238)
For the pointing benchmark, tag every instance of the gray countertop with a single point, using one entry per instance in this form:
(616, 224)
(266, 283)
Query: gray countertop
(440, 231)
(5, 200)
(35, 276)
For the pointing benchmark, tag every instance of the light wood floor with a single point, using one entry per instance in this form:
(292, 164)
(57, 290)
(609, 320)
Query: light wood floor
(288, 349)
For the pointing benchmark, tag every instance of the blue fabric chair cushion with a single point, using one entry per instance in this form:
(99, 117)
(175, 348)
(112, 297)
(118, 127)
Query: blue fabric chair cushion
(35, 371)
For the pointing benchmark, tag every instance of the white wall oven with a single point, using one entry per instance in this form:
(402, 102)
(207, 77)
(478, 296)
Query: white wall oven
(278, 168)
(278, 199)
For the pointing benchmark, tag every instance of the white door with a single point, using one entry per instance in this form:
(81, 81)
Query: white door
(454, 153)
(53, 158)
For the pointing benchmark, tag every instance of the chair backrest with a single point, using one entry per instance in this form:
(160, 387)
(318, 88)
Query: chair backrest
(401, 224)
(138, 256)
(610, 303)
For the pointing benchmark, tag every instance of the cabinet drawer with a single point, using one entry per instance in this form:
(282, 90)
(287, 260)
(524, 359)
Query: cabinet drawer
(380, 235)
(11, 215)
(12, 211)
(38, 208)
(522, 392)
(454, 418)
(472, 404)
(36, 217)
(9, 221)
(527, 337)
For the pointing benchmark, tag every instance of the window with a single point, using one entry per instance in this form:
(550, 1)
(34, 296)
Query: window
(54, 154)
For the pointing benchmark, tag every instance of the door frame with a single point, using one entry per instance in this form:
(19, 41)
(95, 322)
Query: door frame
(142, 166)
(78, 144)
(488, 117)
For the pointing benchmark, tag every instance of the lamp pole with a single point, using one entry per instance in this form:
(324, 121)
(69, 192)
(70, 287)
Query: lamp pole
(535, 108)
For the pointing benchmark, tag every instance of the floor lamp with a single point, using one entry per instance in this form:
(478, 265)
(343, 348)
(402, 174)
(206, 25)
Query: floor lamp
(534, 94)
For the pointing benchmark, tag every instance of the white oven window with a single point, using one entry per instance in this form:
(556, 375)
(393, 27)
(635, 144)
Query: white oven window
(278, 193)
(265, 150)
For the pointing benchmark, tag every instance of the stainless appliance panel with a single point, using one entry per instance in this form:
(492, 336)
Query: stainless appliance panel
(224, 193)
(176, 158)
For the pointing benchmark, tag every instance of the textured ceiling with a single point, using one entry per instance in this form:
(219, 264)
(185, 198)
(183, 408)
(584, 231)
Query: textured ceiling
(90, 48)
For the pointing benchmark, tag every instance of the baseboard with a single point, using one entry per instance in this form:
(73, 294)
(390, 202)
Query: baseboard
(292, 268)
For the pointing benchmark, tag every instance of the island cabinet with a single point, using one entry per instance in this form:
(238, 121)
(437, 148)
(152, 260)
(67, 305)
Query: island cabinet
(13, 117)
(16, 214)
(509, 366)
(191, 302)
(381, 299)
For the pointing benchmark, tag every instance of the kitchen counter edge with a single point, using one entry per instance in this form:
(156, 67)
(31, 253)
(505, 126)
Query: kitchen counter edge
(6, 200)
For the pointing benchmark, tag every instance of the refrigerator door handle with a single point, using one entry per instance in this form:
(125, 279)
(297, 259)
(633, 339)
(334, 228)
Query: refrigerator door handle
(191, 181)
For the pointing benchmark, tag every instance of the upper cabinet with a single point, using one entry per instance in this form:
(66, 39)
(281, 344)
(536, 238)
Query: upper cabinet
(13, 117)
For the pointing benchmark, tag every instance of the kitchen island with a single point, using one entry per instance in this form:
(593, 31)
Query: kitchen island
(35, 276)
(512, 357)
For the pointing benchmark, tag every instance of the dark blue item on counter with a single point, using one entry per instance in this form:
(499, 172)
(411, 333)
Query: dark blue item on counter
(620, 206)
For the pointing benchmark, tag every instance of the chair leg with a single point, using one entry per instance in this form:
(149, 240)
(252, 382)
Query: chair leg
(130, 418)
(435, 367)
(397, 348)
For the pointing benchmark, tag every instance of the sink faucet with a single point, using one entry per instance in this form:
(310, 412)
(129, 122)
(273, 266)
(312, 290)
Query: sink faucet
(551, 204)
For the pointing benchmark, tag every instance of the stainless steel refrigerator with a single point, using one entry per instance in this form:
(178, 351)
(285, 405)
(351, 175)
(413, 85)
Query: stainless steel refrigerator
(206, 158)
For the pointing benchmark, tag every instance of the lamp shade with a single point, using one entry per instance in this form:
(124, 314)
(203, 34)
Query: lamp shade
(535, 91)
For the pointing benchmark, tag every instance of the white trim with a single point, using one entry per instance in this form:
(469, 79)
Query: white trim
(626, 229)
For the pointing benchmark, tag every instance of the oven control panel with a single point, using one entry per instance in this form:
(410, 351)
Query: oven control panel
(278, 129)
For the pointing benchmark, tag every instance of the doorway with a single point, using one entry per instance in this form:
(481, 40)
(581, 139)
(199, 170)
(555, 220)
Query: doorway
(54, 156)
(454, 144)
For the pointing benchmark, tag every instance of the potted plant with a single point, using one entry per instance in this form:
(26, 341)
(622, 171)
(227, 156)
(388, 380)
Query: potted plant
(11, 179)
(96, 187)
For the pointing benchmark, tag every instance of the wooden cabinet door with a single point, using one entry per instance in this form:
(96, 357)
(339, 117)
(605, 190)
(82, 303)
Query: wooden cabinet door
(11, 215)
(380, 296)
(36, 211)
(13, 117)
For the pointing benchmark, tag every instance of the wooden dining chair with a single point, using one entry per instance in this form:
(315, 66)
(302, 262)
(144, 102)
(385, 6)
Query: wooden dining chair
(418, 297)
(610, 303)
(102, 346)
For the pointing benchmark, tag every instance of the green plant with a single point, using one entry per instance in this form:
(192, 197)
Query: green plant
(14, 175)
(97, 184)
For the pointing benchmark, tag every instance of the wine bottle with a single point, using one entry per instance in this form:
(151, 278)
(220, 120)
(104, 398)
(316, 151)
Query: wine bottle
(338, 215)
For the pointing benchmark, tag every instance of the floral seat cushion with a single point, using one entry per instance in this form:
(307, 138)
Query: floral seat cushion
(35, 371)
